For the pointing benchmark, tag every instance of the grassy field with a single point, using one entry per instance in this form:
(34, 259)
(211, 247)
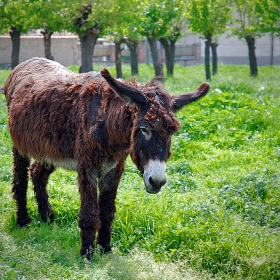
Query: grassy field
(218, 217)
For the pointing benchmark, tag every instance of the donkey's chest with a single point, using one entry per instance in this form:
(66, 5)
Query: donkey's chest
(106, 167)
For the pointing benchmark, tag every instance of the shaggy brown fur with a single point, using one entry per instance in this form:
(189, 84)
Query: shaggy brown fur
(90, 124)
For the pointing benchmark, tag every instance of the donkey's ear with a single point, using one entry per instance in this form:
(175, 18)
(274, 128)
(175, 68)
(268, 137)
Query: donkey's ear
(179, 101)
(129, 93)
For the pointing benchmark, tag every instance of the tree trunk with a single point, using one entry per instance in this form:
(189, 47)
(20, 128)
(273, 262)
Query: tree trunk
(169, 50)
(47, 43)
(157, 64)
(252, 56)
(165, 44)
(214, 46)
(133, 48)
(15, 36)
(272, 49)
(118, 52)
(88, 41)
(172, 57)
(207, 56)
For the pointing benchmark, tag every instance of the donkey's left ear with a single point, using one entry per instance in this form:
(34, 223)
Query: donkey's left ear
(132, 95)
(180, 101)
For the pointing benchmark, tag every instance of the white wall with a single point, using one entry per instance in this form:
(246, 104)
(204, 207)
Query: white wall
(64, 48)
(235, 51)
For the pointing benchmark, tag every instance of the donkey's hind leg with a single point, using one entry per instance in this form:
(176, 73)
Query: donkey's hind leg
(40, 173)
(20, 185)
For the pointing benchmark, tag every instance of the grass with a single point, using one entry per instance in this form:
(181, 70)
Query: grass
(218, 217)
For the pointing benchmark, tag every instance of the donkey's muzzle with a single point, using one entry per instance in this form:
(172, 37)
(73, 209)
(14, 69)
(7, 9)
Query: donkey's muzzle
(154, 176)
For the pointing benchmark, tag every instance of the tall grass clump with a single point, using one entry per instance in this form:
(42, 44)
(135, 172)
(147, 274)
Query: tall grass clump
(216, 218)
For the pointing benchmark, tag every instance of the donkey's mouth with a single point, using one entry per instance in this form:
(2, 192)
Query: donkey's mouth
(156, 187)
(154, 176)
(151, 187)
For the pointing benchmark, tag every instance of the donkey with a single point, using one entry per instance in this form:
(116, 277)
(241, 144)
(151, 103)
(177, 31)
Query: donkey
(89, 123)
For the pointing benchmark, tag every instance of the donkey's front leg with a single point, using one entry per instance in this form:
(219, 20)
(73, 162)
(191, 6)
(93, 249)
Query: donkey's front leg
(108, 186)
(89, 214)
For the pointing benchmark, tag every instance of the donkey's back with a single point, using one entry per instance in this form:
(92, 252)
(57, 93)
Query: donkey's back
(37, 73)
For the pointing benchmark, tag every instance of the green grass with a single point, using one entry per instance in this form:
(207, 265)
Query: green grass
(218, 217)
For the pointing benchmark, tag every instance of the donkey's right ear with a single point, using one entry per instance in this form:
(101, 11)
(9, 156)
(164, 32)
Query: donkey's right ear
(132, 95)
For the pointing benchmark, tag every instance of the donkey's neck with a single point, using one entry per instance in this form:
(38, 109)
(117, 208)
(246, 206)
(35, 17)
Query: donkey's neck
(119, 124)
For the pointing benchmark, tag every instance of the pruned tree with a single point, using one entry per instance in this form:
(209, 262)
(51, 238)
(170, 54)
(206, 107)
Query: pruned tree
(174, 12)
(153, 25)
(123, 30)
(168, 43)
(118, 56)
(251, 19)
(270, 9)
(209, 18)
(87, 19)
(15, 20)
(164, 21)
(48, 16)
(88, 32)
(132, 44)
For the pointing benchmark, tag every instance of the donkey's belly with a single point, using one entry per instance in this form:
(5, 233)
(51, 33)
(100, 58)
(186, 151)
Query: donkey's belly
(68, 163)
(71, 164)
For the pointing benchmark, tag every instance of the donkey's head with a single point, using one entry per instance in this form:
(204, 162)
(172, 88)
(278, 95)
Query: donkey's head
(153, 126)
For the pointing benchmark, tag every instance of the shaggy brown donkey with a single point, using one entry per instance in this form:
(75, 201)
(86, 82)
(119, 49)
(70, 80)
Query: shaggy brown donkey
(89, 124)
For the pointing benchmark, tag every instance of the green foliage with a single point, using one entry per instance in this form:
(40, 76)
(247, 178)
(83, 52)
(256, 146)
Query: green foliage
(88, 15)
(216, 218)
(48, 15)
(208, 16)
(161, 18)
(15, 13)
(126, 21)
(254, 17)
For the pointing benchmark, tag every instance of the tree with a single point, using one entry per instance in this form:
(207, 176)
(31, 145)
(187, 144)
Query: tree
(251, 19)
(271, 10)
(214, 45)
(118, 53)
(88, 20)
(153, 26)
(208, 18)
(88, 32)
(124, 30)
(163, 21)
(132, 36)
(174, 12)
(244, 25)
(168, 43)
(133, 48)
(15, 23)
(49, 16)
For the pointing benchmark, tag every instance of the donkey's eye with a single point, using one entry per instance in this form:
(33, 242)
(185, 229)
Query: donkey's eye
(145, 130)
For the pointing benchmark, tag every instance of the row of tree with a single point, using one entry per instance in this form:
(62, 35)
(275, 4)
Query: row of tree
(130, 21)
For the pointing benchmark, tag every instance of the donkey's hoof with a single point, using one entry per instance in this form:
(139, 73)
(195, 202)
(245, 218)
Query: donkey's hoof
(23, 222)
(48, 217)
(87, 252)
(106, 248)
